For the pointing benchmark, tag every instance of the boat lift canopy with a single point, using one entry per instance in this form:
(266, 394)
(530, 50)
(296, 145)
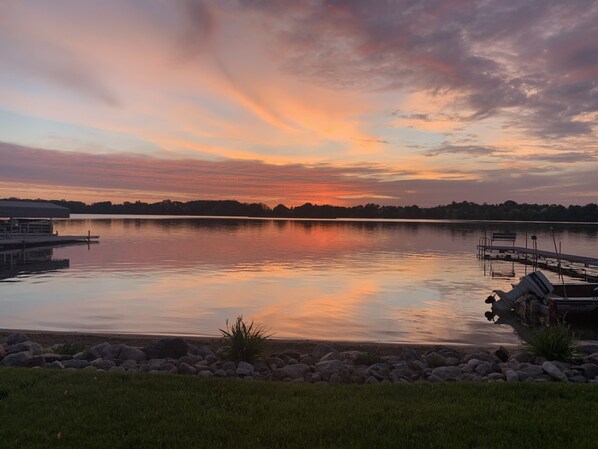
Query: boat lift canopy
(32, 209)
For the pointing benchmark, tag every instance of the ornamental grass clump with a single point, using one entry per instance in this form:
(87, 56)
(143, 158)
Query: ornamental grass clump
(553, 343)
(244, 342)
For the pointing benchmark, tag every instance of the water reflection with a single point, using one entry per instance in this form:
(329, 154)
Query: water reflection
(377, 281)
(32, 261)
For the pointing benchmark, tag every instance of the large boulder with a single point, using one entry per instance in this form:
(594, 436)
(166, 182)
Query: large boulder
(321, 350)
(553, 371)
(166, 348)
(447, 372)
(16, 359)
(13, 339)
(293, 371)
(33, 348)
(131, 353)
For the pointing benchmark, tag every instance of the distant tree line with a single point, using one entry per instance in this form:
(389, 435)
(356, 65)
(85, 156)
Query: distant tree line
(509, 210)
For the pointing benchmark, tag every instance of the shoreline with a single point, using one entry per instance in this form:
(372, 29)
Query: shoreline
(49, 338)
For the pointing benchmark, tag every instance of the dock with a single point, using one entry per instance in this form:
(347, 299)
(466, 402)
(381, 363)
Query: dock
(572, 265)
(32, 241)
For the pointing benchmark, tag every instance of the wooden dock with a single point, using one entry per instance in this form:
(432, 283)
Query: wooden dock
(507, 252)
(46, 240)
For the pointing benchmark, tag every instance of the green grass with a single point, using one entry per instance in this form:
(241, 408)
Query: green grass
(553, 343)
(108, 410)
(244, 341)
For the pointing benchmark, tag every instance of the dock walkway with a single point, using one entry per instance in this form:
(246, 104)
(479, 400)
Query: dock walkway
(523, 252)
(29, 241)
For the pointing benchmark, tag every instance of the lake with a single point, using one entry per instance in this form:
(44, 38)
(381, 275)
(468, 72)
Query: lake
(416, 282)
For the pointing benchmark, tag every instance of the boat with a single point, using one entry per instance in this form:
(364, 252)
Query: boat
(536, 299)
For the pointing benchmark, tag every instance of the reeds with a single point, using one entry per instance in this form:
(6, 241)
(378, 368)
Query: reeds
(244, 341)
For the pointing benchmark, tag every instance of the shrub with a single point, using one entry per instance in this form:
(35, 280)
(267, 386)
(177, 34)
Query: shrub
(244, 341)
(553, 343)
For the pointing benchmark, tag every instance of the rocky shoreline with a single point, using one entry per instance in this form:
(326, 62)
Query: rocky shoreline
(318, 364)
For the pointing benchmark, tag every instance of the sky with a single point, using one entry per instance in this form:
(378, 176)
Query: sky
(324, 101)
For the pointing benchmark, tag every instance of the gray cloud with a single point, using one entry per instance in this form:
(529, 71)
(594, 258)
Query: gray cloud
(292, 184)
(471, 150)
(535, 61)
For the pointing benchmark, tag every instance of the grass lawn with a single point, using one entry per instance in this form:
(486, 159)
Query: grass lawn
(46, 408)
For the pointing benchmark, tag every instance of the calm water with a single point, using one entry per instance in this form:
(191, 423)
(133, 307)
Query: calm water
(414, 282)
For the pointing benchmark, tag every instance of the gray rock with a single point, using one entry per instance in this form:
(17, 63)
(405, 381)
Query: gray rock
(331, 356)
(14, 339)
(447, 373)
(2, 352)
(16, 359)
(49, 358)
(486, 368)
(321, 350)
(335, 378)
(30, 346)
(155, 364)
(502, 354)
(379, 370)
(481, 356)
(132, 353)
(167, 366)
(244, 369)
(205, 373)
(371, 381)
(275, 362)
(403, 373)
(511, 376)
(434, 378)
(496, 376)
(326, 368)
(220, 373)
(291, 371)
(410, 354)
(529, 372)
(185, 368)
(229, 366)
(435, 360)
(592, 358)
(90, 368)
(129, 365)
(289, 354)
(451, 361)
(590, 370)
(579, 379)
(100, 349)
(553, 371)
(166, 348)
(103, 364)
(55, 365)
(522, 357)
(308, 360)
(77, 364)
(35, 361)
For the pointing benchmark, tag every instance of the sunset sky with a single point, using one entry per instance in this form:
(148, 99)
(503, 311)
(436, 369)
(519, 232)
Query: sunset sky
(341, 102)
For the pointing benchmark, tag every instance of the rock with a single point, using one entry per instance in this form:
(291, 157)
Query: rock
(35, 361)
(379, 370)
(131, 353)
(553, 371)
(166, 348)
(220, 373)
(205, 373)
(103, 364)
(335, 378)
(590, 370)
(155, 364)
(451, 361)
(229, 366)
(486, 368)
(511, 376)
(530, 372)
(14, 339)
(49, 358)
(100, 349)
(592, 358)
(579, 379)
(433, 378)
(275, 362)
(331, 356)
(496, 376)
(447, 372)
(30, 346)
(185, 368)
(321, 350)
(481, 356)
(244, 369)
(326, 368)
(587, 347)
(435, 360)
(308, 360)
(404, 373)
(2, 352)
(16, 359)
(129, 365)
(291, 371)
(289, 354)
(77, 364)
(410, 354)
(371, 381)
(522, 357)
(502, 354)
(55, 365)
